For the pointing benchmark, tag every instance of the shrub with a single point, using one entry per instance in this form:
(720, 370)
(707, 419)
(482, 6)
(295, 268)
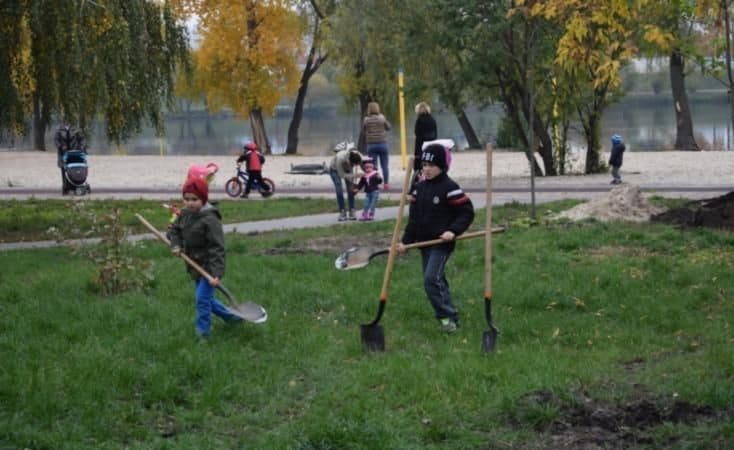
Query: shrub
(117, 270)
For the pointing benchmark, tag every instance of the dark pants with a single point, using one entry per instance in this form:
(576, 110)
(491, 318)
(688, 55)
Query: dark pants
(339, 189)
(434, 261)
(379, 152)
(253, 176)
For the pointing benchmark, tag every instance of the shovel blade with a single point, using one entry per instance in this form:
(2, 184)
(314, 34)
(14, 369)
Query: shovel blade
(251, 312)
(489, 339)
(353, 258)
(373, 337)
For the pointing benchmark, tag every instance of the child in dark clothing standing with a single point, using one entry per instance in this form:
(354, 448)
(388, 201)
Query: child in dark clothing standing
(198, 233)
(438, 209)
(254, 161)
(615, 159)
(370, 182)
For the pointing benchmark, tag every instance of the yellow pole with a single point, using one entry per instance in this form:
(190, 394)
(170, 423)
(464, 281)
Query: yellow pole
(401, 103)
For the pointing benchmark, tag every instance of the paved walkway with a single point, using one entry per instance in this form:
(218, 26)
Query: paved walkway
(500, 196)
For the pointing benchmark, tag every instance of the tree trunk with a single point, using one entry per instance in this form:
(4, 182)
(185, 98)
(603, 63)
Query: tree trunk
(730, 77)
(312, 65)
(545, 145)
(466, 126)
(684, 139)
(208, 130)
(258, 130)
(592, 130)
(39, 126)
(364, 99)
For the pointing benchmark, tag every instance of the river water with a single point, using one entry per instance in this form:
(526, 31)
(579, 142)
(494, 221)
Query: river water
(646, 122)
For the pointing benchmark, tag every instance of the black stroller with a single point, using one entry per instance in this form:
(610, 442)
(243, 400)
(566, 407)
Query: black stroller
(72, 160)
(74, 167)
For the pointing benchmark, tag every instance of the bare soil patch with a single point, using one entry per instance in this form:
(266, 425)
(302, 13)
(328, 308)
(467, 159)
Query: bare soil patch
(715, 212)
(331, 244)
(596, 424)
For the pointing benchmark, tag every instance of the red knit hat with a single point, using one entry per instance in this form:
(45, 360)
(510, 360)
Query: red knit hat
(198, 187)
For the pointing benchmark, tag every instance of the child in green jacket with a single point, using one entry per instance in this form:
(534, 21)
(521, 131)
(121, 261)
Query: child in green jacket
(198, 233)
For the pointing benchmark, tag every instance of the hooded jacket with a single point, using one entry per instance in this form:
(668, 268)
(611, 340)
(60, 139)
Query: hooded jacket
(200, 236)
(615, 159)
(437, 205)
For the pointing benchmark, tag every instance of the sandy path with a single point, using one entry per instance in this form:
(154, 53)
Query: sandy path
(38, 170)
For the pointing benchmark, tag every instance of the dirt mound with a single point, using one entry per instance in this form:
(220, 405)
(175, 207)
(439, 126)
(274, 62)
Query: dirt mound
(624, 202)
(711, 213)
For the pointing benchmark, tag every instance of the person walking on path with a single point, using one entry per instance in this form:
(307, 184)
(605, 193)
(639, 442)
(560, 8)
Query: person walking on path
(615, 159)
(341, 171)
(438, 209)
(198, 233)
(375, 128)
(425, 130)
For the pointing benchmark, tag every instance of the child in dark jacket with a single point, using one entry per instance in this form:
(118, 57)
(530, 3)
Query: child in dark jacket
(615, 159)
(254, 161)
(438, 209)
(198, 233)
(370, 182)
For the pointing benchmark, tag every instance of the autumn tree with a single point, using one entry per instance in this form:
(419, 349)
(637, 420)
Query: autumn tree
(80, 58)
(717, 15)
(368, 56)
(247, 56)
(677, 18)
(314, 13)
(599, 38)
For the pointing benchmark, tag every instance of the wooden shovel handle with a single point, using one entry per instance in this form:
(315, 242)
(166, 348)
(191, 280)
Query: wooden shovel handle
(396, 232)
(488, 225)
(183, 255)
(469, 235)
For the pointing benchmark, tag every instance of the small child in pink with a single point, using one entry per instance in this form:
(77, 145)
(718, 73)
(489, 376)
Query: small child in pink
(370, 182)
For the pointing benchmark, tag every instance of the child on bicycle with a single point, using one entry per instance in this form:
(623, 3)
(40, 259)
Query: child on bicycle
(370, 182)
(254, 161)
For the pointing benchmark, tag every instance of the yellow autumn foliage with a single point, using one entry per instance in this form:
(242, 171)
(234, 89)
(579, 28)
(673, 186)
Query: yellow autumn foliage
(247, 58)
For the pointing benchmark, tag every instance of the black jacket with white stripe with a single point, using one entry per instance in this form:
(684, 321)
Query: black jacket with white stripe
(436, 206)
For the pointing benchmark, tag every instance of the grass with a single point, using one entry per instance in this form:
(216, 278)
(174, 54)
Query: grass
(29, 220)
(589, 313)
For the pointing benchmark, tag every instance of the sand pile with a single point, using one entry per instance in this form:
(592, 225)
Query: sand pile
(624, 203)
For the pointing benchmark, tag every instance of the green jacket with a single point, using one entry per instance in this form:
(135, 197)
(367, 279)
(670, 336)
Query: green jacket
(201, 237)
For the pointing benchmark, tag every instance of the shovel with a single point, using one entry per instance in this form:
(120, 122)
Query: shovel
(373, 336)
(489, 337)
(249, 311)
(358, 257)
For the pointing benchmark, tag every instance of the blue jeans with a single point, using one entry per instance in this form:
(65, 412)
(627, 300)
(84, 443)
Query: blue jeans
(370, 201)
(337, 180)
(206, 304)
(379, 152)
(434, 281)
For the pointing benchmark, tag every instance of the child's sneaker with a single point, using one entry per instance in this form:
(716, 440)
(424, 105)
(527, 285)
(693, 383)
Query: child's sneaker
(371, 216)
(448, 325)
(365, 216)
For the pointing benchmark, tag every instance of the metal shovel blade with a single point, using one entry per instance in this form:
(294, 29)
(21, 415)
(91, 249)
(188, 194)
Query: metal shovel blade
(489, 339)
(251, 312)
(373, 337)
(353, 258)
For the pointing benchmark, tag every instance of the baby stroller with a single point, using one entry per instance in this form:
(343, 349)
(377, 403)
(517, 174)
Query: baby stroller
(75, 168)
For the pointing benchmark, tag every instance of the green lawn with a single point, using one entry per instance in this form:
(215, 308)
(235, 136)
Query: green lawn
(612, 336)
(29, 220)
